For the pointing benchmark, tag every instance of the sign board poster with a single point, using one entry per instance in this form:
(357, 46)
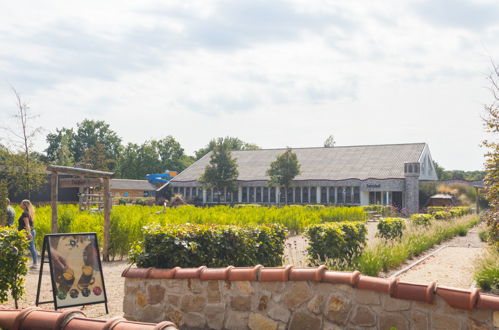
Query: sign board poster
(75, 269)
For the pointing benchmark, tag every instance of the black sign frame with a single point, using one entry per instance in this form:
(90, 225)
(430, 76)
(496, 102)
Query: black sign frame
(46, 248)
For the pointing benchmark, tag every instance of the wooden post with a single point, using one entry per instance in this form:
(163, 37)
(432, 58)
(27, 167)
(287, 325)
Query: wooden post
(54, 199)
(107, 220)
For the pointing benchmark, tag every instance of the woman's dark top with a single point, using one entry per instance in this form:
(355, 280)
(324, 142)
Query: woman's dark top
(21, 225)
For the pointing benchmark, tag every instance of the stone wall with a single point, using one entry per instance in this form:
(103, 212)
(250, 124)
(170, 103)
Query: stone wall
(220, 304)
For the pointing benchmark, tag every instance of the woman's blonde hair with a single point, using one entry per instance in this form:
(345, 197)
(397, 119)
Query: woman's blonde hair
(28, 207)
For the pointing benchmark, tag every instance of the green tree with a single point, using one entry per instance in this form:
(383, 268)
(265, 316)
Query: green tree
(283, 170)
(232, 143)
(61, 147)
(491, 123)
(171, 154)
(95, 158)
(221, 173)
(4, 194)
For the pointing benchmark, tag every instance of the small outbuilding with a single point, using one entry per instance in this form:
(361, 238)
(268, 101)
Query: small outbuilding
(442, 200)
(132, 188)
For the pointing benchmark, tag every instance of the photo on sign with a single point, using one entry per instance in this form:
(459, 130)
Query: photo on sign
(76, 271)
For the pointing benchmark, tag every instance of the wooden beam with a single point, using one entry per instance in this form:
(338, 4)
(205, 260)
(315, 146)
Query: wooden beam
(107, 219)
(79, 171)
(54, 197)
(79, 182)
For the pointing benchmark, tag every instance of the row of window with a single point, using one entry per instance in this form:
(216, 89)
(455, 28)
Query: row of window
(297, 195)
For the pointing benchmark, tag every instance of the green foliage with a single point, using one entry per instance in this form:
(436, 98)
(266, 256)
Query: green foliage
(455, 211)
(442, 215)
(391, 228)
(231, 142)
(3, 203)
(484, 235)
(444, 174)
(283, 170)
(22, 174)
(222, 171)
(384, 210)
(340, 244)
(13, 245)
(381, 257)
(487, 271)
(191, 245)
(127, 221)
(421, 219)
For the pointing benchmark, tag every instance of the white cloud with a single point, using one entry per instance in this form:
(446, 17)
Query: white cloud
(273, 73)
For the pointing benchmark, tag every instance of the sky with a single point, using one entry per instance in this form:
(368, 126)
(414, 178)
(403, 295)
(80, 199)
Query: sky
(274, 73)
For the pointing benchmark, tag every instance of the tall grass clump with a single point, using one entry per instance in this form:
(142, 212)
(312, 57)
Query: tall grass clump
(382, 257)
(487, 271)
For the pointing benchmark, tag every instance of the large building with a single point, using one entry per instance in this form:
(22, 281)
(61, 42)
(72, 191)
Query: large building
(349, 175)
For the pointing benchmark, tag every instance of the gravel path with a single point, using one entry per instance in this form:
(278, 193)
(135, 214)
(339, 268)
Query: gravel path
(114, 288)
(453, 265)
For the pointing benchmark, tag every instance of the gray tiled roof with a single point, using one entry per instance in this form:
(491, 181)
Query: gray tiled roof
(338, 163)
(128, 184)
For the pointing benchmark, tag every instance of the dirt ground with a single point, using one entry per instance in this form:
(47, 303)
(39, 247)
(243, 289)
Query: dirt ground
(114, 288)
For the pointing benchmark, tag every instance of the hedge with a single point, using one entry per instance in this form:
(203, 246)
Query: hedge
(339, 244)
(421, 219)
(442, 215)
(13, 245)
(391, 228)
(209, 245)
(456, 211)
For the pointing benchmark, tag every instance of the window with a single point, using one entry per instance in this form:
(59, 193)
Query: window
(290, 195)
(272, 194)
(304, 198)
(375, 197)
(175, 190)
(265, 194)
(298, 195)
(348, 195)
(245, 195)
(313, 195)
(209, 196)
(194, 192)
(251, 194)
(282, 196)
(331, 195)
(258, 194)
(323, 195)
(339, 195)
(187, 192)
(356, 195)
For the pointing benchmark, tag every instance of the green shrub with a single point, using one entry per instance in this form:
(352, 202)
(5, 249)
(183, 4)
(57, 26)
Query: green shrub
(484, 235)
(13, 245)
(487, 271)
(391, 228)
(339, 244)
(421, 219)
(209, 245)
(442, 215)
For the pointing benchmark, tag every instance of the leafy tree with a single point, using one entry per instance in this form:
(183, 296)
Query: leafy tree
(329, 142)
(95, 158)
(4, 194)
(283, 170)
(88, 135)
(222, 171)
(61, 148)
(232, 143)
(153, 156)
(491, 123)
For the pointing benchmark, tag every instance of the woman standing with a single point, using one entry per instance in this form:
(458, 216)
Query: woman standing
(26, 222)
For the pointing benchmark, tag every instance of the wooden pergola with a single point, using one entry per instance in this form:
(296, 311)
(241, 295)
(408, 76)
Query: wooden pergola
(86, 178)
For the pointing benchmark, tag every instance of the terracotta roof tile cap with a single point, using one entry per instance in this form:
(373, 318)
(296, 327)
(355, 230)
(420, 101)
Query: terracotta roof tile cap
(459, 298)
(487, 301)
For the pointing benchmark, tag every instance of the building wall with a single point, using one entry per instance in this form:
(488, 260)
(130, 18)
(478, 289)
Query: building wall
(131, 193)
